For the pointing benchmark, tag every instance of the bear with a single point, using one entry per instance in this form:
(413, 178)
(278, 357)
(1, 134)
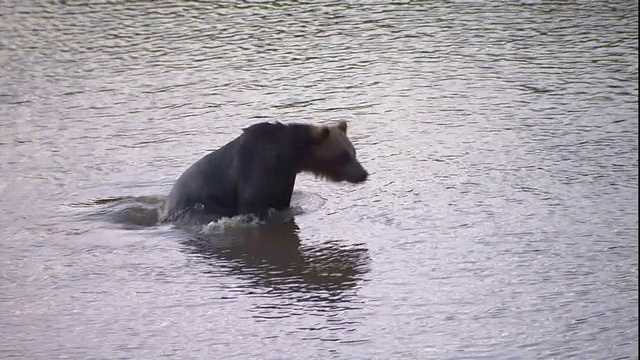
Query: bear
(256, 171)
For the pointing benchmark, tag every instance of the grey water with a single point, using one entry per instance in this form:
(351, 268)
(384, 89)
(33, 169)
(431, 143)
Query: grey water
(500, 220)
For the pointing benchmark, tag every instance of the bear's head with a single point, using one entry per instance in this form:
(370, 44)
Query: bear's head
(332, 156)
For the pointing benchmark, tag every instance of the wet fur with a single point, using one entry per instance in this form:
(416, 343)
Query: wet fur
(256, 171)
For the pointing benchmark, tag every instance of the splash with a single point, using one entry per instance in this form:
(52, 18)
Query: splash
(228, 223)
(224, 224)
(146, 211)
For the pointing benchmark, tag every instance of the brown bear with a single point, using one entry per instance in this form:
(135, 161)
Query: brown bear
(256, 171)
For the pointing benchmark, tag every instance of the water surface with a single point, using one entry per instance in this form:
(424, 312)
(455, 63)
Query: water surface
(500, 220)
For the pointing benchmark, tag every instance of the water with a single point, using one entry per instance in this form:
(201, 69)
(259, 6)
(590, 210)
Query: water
(500, 220)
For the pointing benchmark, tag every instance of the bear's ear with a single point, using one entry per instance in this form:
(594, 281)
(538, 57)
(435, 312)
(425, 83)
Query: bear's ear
(342, 126)
(319, 134)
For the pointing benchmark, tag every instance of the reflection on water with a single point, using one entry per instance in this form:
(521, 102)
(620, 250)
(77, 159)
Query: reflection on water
(267, 255)
(273, 257)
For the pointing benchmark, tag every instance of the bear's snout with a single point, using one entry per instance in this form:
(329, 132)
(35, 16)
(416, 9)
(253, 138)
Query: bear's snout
(355, 174)
(361, 178)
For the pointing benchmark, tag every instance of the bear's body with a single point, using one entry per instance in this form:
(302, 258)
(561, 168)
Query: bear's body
(257, 171)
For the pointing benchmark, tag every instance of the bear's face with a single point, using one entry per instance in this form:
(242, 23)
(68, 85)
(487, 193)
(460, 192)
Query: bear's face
(333, 156)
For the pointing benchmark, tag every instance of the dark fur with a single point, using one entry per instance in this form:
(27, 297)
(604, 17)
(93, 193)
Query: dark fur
(256, 172)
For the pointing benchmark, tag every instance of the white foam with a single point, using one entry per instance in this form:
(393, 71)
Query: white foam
(249, 221)
(225, 223)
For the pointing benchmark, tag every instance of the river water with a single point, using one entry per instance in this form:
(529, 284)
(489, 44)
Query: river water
(500, 220)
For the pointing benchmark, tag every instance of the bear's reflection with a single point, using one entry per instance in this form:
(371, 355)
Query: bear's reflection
(272, 256)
